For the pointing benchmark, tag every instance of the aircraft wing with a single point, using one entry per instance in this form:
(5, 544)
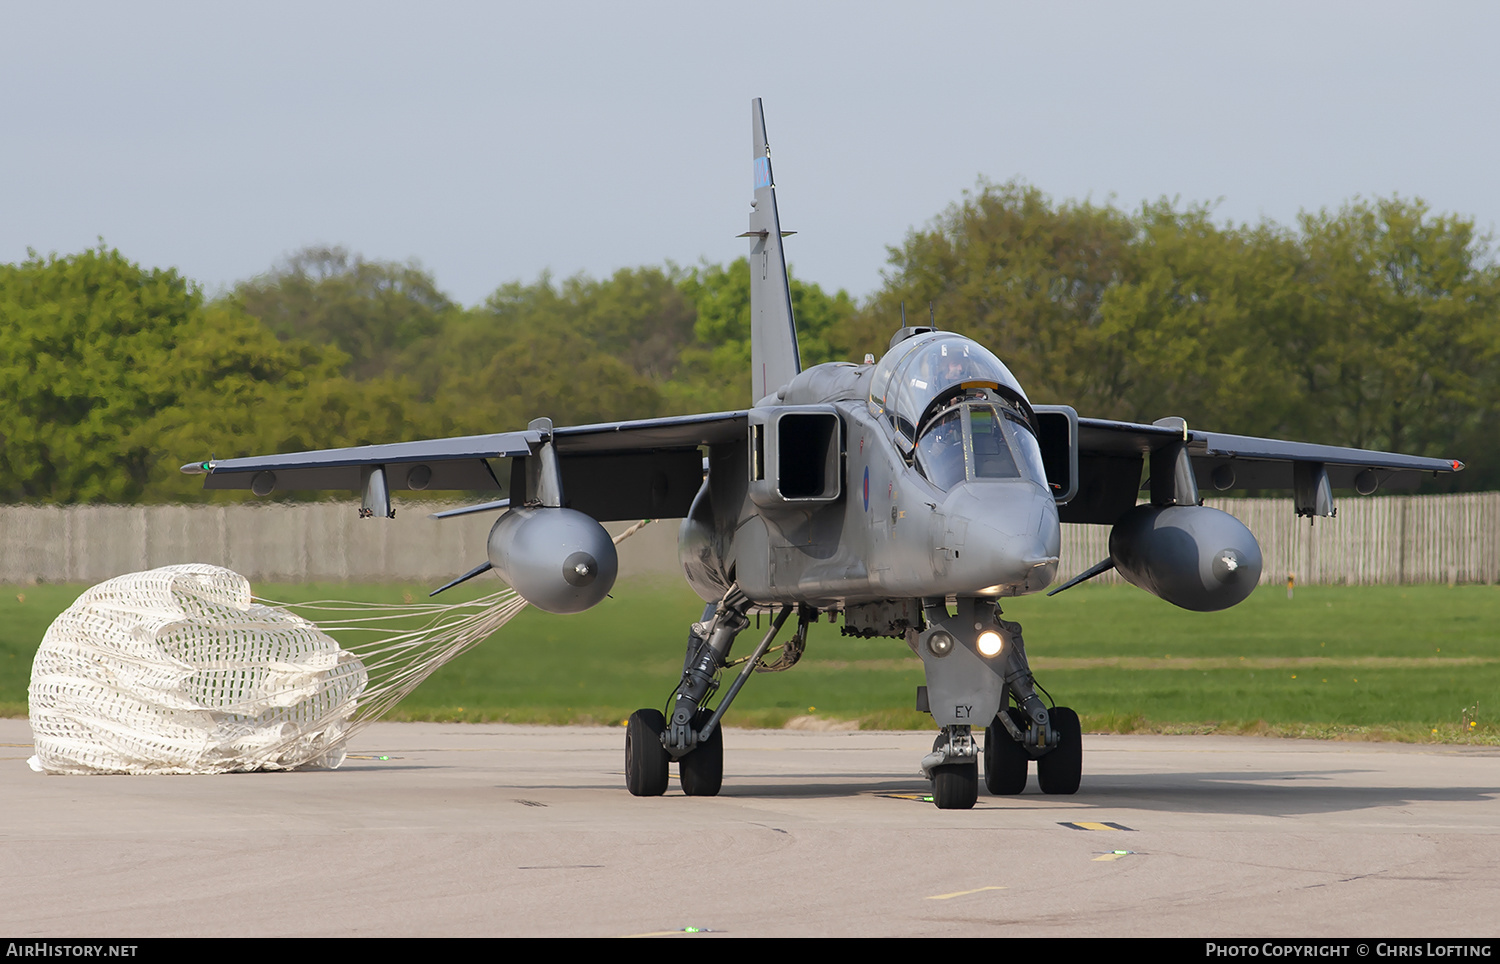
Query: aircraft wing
(1112, 457)
(647, 468)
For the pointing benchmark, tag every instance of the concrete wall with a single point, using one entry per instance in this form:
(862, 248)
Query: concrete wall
(1394, 539)
(277, 542)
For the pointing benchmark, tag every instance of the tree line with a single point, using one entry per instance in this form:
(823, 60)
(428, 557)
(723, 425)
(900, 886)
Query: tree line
(1376, 325)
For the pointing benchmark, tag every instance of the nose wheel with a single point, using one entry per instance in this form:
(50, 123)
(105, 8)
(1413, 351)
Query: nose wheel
(953, 768)
(955, 786)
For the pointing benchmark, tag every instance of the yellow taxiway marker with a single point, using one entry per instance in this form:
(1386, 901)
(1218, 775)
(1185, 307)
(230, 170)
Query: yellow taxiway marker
(1115, 855)
(1085, 825)
(962, 893)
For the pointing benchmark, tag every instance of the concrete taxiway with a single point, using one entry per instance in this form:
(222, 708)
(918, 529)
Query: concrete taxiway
(433, 829)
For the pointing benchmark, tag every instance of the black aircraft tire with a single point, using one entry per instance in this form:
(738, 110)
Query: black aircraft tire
(645, 758)
(955, 786)
(1005, 760)
(702, 771)
(1062, 770)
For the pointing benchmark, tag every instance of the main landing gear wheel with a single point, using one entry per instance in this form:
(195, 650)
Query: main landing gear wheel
(1004, 759)
(1061, 770)
(702, 771)
(955, 786)
(645, 758)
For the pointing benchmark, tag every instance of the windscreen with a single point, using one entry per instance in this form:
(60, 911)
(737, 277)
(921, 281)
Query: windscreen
(978, 440)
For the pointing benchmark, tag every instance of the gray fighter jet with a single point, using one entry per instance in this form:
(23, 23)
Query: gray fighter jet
(910, 495)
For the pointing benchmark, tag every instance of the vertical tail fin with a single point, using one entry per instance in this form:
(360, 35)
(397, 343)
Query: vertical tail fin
(773, 334)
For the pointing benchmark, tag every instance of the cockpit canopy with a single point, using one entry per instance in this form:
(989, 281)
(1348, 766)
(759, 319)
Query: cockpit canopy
(921, 374)
(979, 438)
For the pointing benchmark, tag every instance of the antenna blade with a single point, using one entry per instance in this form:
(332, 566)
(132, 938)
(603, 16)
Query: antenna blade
(1098, 568)
(469, 509)
(482, 567)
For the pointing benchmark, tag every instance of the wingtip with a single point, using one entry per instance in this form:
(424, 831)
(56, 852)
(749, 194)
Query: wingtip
(197, 468)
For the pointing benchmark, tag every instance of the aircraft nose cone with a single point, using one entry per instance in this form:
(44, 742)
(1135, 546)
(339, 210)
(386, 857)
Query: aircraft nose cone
(1012, 539)
(1013, 561)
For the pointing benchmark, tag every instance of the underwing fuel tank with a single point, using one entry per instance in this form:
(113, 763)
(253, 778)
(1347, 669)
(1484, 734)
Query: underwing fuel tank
(559, 560)
(1192, 556)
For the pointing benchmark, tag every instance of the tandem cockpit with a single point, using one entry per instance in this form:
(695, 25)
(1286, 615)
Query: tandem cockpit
(956, 411)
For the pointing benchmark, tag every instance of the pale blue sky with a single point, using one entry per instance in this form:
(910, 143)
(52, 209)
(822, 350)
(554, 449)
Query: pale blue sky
(492, 141)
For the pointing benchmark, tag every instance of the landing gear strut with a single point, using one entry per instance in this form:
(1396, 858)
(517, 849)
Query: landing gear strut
(692, 735)
(975, 662)
(1029, 730)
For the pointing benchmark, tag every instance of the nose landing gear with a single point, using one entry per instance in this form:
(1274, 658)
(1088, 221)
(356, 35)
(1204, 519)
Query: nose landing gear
(971, 676)
(953, 768)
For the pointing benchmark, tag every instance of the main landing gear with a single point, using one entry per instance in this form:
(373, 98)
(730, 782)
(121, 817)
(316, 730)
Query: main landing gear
(1059, 768)
(646, 757)
(692, 734)
(976, 668)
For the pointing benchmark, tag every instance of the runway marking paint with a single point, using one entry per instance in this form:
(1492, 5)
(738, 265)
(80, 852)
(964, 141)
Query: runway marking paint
(965, 893)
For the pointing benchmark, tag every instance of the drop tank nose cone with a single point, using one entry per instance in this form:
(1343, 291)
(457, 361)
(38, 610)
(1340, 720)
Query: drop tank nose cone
(559, 560)
(1230, 565)
(1195, 557)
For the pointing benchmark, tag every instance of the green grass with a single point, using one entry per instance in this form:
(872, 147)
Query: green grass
(1352, 662)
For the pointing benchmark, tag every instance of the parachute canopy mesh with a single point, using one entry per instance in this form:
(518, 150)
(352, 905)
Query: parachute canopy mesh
(182, 670)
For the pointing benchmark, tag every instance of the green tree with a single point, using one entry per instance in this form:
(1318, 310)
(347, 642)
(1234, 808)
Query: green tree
(1203, 324)
(371, 310)
(1375, 326)
(543, 349)
(114, 375)
(1020, 274)
(715, 371)
(1404, 347)
(638, 315)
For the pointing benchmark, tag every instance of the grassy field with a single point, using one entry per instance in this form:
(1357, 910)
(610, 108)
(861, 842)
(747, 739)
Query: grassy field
(1415, 663)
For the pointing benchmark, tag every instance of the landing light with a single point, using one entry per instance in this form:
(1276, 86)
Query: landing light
(940, 643)
(990, 643)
